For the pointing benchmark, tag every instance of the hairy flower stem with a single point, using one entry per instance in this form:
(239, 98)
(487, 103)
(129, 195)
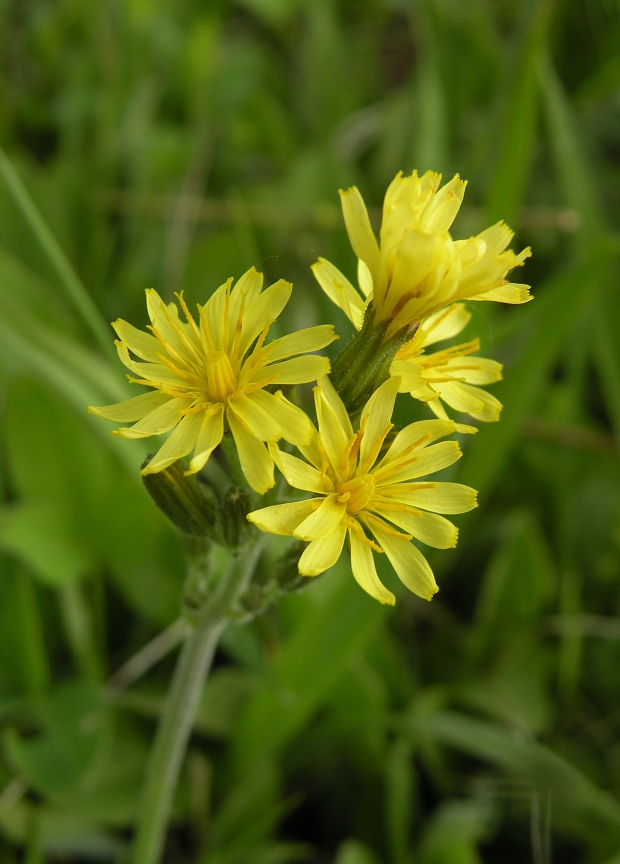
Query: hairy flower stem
(182, 702)
(365, 362)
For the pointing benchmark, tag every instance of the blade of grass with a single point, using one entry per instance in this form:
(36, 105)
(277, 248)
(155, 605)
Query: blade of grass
(518, 122)
(76, 291)
(582, 193)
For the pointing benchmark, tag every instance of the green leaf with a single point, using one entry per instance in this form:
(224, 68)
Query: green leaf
(80, 755)
(40, 534)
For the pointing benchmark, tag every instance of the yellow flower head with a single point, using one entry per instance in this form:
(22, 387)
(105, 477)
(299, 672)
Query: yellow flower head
(417, 268)
(213, 372)
(365, 494)
(451, 375)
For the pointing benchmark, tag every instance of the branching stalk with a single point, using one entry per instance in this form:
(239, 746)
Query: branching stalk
(182, 702)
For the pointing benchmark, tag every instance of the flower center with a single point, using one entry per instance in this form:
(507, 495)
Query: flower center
(221, 379)
(359, 492)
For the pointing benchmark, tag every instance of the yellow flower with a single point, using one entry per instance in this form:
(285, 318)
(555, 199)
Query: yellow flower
(362, 491)
(451, 375)
(418, 268)
(207, 373)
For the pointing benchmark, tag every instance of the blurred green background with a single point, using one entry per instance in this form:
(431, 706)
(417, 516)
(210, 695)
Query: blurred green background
(173, 143)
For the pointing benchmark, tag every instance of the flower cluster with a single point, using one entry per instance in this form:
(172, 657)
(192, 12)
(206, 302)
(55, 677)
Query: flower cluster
(217, 374)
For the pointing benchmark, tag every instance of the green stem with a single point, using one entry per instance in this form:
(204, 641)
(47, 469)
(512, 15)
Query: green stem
(182, 702)
(80, 297)
(365, 362)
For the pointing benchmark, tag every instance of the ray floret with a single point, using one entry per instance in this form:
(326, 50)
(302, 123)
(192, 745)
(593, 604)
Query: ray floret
(369, 494)
(208, 375)
(453, 375)
(416, 268)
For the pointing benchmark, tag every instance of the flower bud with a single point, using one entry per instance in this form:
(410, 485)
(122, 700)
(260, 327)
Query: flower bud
(186, 501)
(286, 570)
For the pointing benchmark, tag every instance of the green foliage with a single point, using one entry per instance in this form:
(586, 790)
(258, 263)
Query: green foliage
(176, 144)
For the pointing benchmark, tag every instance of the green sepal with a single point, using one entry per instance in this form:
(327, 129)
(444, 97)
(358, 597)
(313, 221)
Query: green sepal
(187, 502)
(234, 508)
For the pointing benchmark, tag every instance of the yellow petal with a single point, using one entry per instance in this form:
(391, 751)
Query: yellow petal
(445, 324)
(322, 554)
(512, 292)
(160, 420)
(421, 434)
(141, 344)
(340, 291)
(335, 429)
(331, 398)
(215, 314)
(417, 255)
(167, 325)
(410, 565)
(298, 370)
(419, 464)
(378, 413)
(492, 407)
(360, 232)
(311, 451)
(252, 413)
(474, 370)
(263, 311)
(441, 210)
(430, 528)
(364, 570)
(159, 374)
(210, 435)
(364, 278)
(298, 473)
(182, 441)
(496, 238)
(245, 291)
(294, 423)
(409, 373)
(324, 521)
(462, 398)
(256, 463)
(283, 518)
(131, 409)
(438, 497)
(301, 342)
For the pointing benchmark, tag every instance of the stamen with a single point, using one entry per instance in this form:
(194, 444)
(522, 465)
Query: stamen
(188, 314)
(226, 318)
(234, 351)
(355, 526)
(205, 333)
(253, 360)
